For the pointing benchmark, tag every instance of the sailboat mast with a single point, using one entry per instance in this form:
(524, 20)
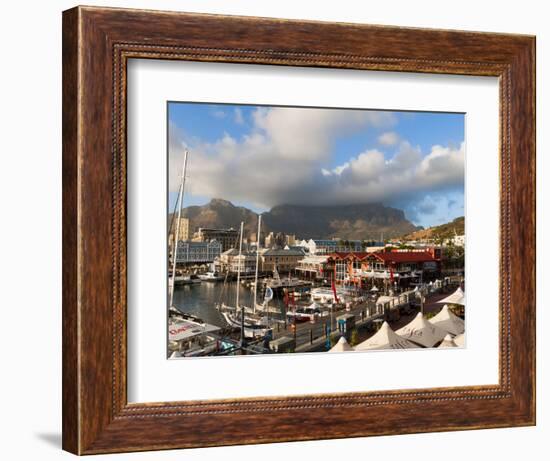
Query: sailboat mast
(177, 234)
(257, 261)
(239, 283)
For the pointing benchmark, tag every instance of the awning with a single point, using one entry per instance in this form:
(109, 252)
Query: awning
(448, 342)
(448, 321)
(422, 332)
(385, 338)
(341, 346)
(456, 298)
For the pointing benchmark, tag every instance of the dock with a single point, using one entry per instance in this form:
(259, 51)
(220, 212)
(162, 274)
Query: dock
(310, 337)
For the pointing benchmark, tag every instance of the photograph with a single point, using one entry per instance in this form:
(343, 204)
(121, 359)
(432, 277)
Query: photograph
(312, 229)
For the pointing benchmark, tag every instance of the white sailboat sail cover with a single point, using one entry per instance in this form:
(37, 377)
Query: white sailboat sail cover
(448, 342)
(456, 298)
(341, 346)
(459, 340)
(385, 338)
(448, 321)
(421, 331)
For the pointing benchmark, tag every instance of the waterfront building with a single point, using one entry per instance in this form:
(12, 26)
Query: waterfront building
(303, 244)
(228, 238)
(297, 248)
(247, 262)
(325, 246)
(283, 260)
(312, 266)
(197, 252)
(229, 261)
(396, 266)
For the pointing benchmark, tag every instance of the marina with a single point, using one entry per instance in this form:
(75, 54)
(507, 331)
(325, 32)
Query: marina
(242, 291)
(357, 322)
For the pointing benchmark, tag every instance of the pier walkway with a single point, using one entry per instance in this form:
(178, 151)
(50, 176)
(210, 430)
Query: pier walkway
(314, 336)
(311, 336)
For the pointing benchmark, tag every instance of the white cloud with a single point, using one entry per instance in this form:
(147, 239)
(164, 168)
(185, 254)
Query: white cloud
(389, 138)
(287, 156)
(219, 113)
(238, 116)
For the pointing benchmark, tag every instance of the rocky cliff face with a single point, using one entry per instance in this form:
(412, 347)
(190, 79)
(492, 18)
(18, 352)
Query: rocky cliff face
(220, 213)
(363, 221)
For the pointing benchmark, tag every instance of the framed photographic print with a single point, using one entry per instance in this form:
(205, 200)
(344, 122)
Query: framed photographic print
(280, 230)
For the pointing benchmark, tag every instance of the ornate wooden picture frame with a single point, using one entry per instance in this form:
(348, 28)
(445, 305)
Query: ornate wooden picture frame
(97, 44)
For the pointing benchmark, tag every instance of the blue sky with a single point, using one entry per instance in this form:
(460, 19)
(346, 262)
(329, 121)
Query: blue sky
(260, 157)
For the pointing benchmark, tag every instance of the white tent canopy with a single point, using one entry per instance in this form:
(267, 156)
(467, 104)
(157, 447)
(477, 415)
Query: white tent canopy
(459, 340)
(421, 331)
(385, 338)
(447, 342)
(456, 298)
(448, 321)
(341, 346)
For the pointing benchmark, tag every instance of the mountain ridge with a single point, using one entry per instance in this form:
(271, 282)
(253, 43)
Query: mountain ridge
(441, 231)
(359, 221)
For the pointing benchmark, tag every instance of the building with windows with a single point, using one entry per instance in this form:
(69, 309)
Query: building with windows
(229, 261)
(183, 230)
(290, 240)
(228, 238)
(197, 252)
(283, 260)
(312, 266)
(275, 239)
(396, 266)
(458, 240)
(323, 247)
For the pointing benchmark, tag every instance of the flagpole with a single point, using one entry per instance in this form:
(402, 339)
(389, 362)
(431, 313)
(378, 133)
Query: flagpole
(257, 262)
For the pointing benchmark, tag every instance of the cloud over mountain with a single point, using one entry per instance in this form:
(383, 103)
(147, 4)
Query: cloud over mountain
(287, 157)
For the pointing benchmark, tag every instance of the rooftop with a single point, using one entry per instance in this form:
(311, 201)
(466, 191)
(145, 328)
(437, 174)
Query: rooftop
(387, 256)
(213, 229)
(280, 252)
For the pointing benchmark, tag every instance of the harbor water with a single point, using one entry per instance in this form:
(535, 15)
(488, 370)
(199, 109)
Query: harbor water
(200, 299)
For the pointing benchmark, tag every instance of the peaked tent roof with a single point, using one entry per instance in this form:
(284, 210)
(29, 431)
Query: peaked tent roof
(341, 346)
(456, 298)
(448, 321)
(448, 342)
(385, 338)
(421, 331)
(459, 340)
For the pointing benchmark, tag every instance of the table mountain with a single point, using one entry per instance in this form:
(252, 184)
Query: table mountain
(361, 221)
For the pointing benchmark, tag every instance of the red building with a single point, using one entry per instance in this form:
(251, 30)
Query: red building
(391, 266)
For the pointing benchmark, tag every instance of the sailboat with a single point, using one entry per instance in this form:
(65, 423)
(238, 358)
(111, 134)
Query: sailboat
(251, 325)
(188, 335)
